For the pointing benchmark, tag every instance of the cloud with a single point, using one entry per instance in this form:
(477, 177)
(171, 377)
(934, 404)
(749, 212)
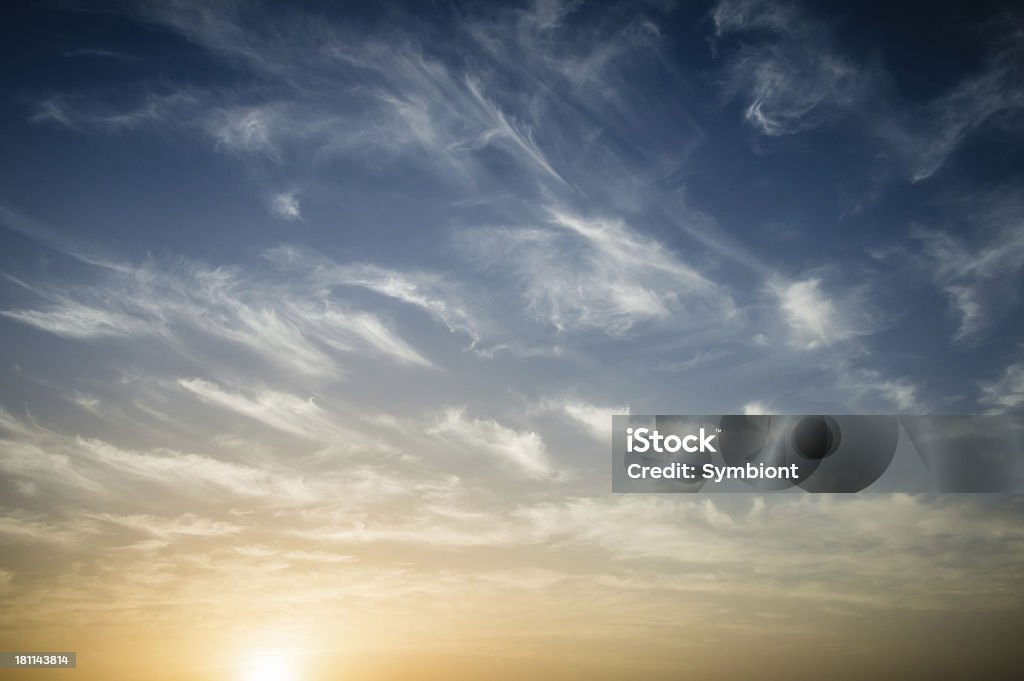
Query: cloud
(165, 109)
(964, 300)
(794, 77)
(23, 528)
(815, 318)
(595, 420)
(522, 350)
(87, 470)
(502, 127)
(522, 450)
(188, 524)
(755, 408)
(1005, 393)
(288, 323)
(99, 52)
(755, 549)
(978, 265)
(739, 15)
(281, 411)
(338, 327)
(71, 319)
(387, 95)
(220, 26)
(925, 138)
(439, 296)
(794, 82)
(87, 402)
(521, 88)
(824, 324)
(431, 526)
(697, 555)
(581, 274)
(811, 316)
(870, 385)
(98, 479)
(246, 129)
(286, 206)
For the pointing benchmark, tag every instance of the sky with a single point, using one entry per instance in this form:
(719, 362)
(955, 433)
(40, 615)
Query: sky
(313, 318)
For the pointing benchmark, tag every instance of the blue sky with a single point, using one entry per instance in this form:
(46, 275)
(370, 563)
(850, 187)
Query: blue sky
(418, 254)
(808, 203)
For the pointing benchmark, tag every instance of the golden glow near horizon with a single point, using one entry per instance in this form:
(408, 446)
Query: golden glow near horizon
(271, 667)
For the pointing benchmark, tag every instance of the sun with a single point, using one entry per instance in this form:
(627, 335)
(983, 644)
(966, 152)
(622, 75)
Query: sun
(270, 667)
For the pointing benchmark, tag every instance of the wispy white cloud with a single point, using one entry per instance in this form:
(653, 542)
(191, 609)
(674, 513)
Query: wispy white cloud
(431, 525)
(99, 52)
(72, 319)
(285, 205)
(874, 391)
(794, 77)
(392, 99)
(523, 350)
(810, 315)
(188, 524)
(924, 138)
(981, 264)
(816, 318)
(87, 470)
(286, 412)
(756, 408)
(638, 528)
(425, 291)
(251, 129)
(795, 81)
(287, 323)
(594, 419)
(151, 108)
(441, 297)
(220, 26)
(502, 127)
(1005, 393)
(340, 328)
(21, 527)
(578, 274)
(523, 450)
(965, 300)
(87, 402)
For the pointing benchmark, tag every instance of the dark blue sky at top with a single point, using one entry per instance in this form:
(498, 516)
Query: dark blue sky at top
(921, 58)
(855, 183)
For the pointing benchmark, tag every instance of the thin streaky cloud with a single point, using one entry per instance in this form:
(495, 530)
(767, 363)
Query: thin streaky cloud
(580, 274)
(99, 52)
(799, 79)
(525, 451)
(594, 419)
(1005, 393)
(294, 327)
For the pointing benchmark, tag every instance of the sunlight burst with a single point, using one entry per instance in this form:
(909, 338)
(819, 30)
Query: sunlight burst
(271, 667)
